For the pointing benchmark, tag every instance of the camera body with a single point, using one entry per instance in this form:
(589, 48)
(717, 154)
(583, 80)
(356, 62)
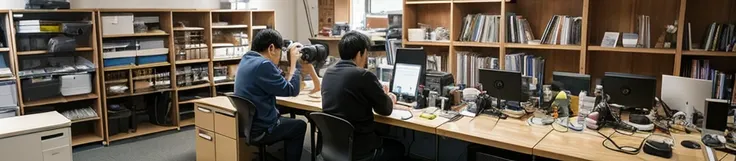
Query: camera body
(311, 53)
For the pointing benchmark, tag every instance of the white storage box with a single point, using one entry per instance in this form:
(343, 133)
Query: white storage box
(416, 34)
(6, 112)
(8, 94)
(76, 84)
(118, 23)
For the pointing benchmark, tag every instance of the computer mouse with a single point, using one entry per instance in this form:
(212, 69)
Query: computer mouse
(712, 141)
(690, 144)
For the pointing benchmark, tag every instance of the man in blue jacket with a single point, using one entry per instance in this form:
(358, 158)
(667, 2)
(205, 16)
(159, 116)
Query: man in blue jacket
(259, 80)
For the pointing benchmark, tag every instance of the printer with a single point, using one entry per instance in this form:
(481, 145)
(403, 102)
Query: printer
(47, 4)
(436, 81)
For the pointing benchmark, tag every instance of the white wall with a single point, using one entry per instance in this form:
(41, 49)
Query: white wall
(302, 28)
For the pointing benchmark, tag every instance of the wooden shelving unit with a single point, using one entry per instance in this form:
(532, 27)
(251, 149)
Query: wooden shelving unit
(598, 17)
(244, 21)
(83, 131)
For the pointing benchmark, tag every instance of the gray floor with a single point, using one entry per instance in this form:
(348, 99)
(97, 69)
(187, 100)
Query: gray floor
(166, 146)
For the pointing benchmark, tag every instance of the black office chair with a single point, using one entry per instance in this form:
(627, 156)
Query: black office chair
(337, 134)
(246, 112)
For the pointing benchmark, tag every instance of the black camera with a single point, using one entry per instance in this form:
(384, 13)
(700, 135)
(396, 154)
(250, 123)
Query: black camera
(312, 53)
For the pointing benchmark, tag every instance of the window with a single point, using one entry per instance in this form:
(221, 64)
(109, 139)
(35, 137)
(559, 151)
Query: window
(385, 6)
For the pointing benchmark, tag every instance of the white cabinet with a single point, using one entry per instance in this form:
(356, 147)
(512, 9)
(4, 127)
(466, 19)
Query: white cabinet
(37, 137)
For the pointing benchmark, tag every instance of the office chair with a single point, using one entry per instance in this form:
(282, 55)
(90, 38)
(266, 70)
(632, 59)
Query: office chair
(246, 112)
(338, 136)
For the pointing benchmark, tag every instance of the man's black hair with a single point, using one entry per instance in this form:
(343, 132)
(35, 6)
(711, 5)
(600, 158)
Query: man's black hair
(265, 38)
(353, 43)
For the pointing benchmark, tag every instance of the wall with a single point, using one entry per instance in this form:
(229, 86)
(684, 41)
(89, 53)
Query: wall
(302, 30)
(205, 4)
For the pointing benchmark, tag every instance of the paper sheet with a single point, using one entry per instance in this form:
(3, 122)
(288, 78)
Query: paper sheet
(400, 114)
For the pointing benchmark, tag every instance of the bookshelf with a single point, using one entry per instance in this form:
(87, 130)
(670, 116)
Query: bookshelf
(598, 17)
(84, 131)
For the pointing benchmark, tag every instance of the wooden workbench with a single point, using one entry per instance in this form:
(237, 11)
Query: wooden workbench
(306, 103)
(511, 134)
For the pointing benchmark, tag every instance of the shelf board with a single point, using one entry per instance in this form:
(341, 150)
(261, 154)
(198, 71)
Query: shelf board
(7, 78)
(259, 27)
(633, 50)
(117, 81)
(186, 102)
(187, 122)
(475, 44)
(225, 83)
(57, 100)
(85, 139)
(144, 77)
(231, 27)
(194, 86)
(427, 43)
(136, 35)
(192, 61)
(478, 1)
(709, 53)
(37, 52)
(188, 29)
(226, 59)
(427, 2)
(4, 49)
(544, 46)
(128, 94)
(85, 120)
(128, 67)
(144, 128)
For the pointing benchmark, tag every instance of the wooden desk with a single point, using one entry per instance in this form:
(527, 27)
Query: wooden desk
(728, 157)
(511, 134)
(306, 103)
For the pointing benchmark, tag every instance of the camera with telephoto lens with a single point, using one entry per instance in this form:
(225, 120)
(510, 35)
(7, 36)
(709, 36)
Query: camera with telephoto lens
(311, 53)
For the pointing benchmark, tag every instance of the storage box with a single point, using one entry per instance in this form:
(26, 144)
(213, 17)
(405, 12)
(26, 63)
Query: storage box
(76, 84)
(8, 94)
(119, 58)
(150, 43)
(148, 56)
(6, 112)
(118, 121)
(40, 88)
(117, 23)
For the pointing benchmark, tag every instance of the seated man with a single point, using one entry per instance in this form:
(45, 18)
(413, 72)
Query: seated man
(259, 80)
(353, 93)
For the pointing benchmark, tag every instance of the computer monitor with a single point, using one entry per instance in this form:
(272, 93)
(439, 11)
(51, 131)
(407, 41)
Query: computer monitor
(505, 85)
(394, 21)
(715, 118)
(631, 91)
(406, 79)
(679, 91)
(415, 56)
(573, 82)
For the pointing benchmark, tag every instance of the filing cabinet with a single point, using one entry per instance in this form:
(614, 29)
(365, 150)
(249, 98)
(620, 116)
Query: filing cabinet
(41, 137)
(217, 132)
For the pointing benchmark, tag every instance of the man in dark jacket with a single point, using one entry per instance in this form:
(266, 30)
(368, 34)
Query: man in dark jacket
(352, 93)
(259, 80)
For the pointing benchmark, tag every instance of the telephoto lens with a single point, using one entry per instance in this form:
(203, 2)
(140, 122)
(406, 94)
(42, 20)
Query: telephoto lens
(314, 53)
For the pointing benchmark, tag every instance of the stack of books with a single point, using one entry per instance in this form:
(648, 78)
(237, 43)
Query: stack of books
(519, 30)
(723, 82)
(528, 65)
(563, 30)
(643, 28)
(468, 64)
(37, 26)
(481, 28)
(718, 37)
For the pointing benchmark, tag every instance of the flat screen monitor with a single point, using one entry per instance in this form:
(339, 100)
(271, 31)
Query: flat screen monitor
(573, 82)
(394, 20)
(716, 116)
(415, 56)
(679, 92)
(505, 85)
(406, 79)
(629, 90)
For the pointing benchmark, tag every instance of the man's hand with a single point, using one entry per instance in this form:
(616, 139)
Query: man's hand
(293, 58)
(393, 98)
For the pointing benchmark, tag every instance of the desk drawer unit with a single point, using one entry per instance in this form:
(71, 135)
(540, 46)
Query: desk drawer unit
(203, 117)
(226, 149)
(226, 124)
(205, 145)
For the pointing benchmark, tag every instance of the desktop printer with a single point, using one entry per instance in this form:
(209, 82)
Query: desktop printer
(47, 4)
(436, 81)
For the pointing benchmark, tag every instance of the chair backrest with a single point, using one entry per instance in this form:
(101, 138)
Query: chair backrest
(337, 135)
(246, 112)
